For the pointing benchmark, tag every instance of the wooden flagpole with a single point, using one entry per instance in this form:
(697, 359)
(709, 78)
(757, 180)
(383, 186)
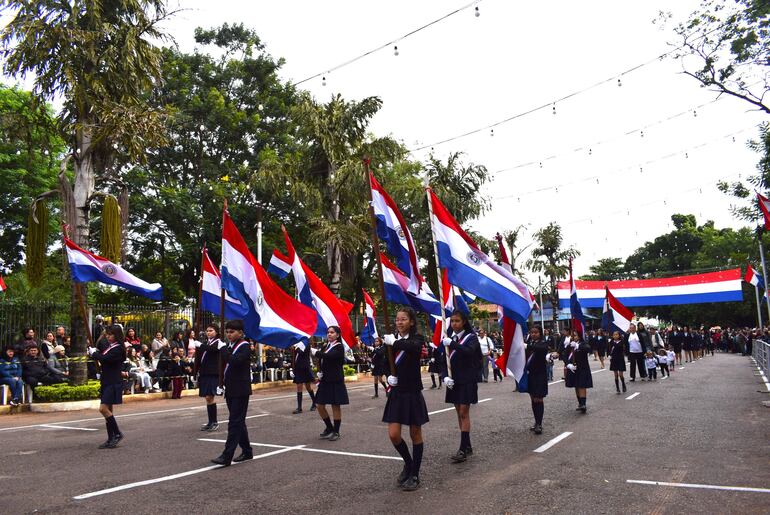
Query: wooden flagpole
(438, 274)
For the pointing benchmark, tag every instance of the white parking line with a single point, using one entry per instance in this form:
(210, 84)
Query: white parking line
(310, 449)
(553, 442)
(706, 487)
(177, 476)
(632, 396)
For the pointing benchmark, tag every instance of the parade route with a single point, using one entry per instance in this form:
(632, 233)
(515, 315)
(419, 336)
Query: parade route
(694, 443)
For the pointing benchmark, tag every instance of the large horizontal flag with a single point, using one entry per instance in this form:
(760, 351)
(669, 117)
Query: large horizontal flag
(392, 229)
(271, 316)
(3, 287)
(764, 205)
(753, 278)
(369, 332)
(576, 312)
(724, 286)
(313, 293)
(397, 290)
(615, 316)
(513, 359)
(87, 267)
(211, 292)
(472, 270)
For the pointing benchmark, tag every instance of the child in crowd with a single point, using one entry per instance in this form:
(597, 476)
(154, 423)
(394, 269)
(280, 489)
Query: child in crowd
(495, 369)
(671, 355)
(652, 366)
(549, 368)
(663, 362)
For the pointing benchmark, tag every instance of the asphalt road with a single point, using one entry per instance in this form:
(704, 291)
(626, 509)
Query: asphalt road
(704, 426)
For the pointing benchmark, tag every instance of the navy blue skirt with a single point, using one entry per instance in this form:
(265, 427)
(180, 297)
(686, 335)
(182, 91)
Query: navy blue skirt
(407, 408)
(332, 393)
(207, 385)
(581, 378)
(303, 375)
(462, 394)
(111, 394)
(538, 384)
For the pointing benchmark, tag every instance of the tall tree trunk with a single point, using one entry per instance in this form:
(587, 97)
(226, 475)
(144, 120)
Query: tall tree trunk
(333, 251)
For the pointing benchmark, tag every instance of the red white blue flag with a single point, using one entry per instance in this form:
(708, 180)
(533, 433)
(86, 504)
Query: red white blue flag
(576, 312)
(753, 278)
(2, 284)
(513, 358)
(764, 205)
(369, 332)
(211, 292)
(397, 290)
(615, 316)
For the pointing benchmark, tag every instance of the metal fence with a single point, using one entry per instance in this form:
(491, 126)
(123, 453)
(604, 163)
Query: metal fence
(761, 354)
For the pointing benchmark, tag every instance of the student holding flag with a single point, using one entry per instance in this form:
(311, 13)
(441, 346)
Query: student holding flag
(537, 375)
(577, 373)
(462, 388)
(110, 353)
(617, 359)
(302, 374)
(331, 382)
(207, 367)
(379, 366)
(406, 405)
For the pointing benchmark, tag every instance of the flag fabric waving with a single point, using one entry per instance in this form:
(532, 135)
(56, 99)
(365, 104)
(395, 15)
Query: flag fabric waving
(369, 332)
(472, 270)
(271, 316)
(88, 267)
(513, 358)
(392, 229)
(211, 292)
(615, 316)
(313, 293)
(753, 278)
(3, 287)
(764, 205)
(397, 290)
(576, 312)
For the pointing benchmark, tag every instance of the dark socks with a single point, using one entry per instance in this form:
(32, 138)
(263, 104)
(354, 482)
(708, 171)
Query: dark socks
(112, 424)
(212, 411)
(623, 381)
(465, 439)
(617, 384)
(538, 408)
(376, 388)
(433, 379)
(416, 457)
(312, 396)
(109, 429)
(337, 424)
(403, 450)
(299, 400)
(328, 423)
(581, 401)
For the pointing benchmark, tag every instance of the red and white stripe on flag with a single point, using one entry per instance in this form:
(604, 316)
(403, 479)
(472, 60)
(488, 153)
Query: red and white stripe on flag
(2, 284)
(764, 205)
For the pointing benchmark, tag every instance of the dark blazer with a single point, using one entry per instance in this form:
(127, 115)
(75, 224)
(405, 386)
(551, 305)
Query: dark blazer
(466, 359)
(536, 354)
(331, 363)
(237, 359)
(111, 358)
(207, 358)
(617, 350)
(408, 367)
(302, 360)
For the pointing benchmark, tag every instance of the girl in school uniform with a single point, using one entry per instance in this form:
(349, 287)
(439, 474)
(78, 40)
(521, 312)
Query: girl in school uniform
(110, 353)
(379, 366)
(435, 365)
(537, 355)
(331, 385)
(577, 373)
(406, 405)
(617, 360)
(465, 357)
(207, 367)
(302, 374)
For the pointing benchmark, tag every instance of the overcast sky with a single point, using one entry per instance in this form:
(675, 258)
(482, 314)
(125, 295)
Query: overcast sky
(468, 72)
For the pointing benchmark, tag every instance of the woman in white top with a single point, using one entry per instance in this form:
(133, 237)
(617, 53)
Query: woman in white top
(139, 370)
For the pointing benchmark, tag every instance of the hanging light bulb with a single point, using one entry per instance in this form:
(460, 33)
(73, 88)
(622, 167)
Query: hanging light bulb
(554, 108)
(395, 50)
(695, 113)
(619, 83)
(491, 132)
(641, 170)
(686, 155)
(323, 80)
(476, 12)
(590, 152)
(541, 164)
(641, 133)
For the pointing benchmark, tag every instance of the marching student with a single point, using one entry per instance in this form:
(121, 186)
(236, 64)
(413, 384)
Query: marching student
(331, 382)
(302, 374)
(537, 386)
(462, 388)
(617, 359)
(687, 344)
(675, 340)
(237, 380)
(599, 346)
(110, 353)
(435, 365)
(577, 373)
(207, 368)
(379, 366)
(652, 366)
(406, 405)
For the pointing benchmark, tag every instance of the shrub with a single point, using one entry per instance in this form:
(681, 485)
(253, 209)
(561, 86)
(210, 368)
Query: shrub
(66, 392)
(348, 370)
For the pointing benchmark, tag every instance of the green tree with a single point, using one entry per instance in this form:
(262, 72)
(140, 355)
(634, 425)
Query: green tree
(100, 59)
(607, 269)
(550, 259)
(671, 253)
(30, 149)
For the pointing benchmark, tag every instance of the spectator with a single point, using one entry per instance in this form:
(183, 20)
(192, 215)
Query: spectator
(48, 344)
(132, 340)
(176, 371)
(487, 346)
(35, 369)
(99, 327)
(59, 361)
(60, 335)
(27, 340)
(191, 343)
(138, 370)
(67, 344)
(162, 368)
(158, 343)
(10, 374)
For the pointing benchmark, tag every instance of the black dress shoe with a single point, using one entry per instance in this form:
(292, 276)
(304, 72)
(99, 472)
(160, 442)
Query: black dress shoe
(538, 430)
(221, 460)
(459, 456)
(298, 410)
(243, 457)
(411, 484)
(206, 426)
(312, 408)
(403, 476)
(113, 442)
(106, 445)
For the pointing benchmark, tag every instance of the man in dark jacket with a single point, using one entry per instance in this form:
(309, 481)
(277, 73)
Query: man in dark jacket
(36, 369)
(237, 380)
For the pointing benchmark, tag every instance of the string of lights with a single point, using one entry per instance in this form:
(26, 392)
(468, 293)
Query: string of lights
(681, 153)
(392, 43)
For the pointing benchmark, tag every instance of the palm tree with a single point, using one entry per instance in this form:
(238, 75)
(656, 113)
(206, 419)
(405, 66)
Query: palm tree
(100, 60)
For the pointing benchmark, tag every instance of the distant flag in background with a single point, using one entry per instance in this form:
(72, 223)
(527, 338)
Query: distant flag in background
(369, 332)
(615, 315)
(513, 358)
(3, 287)
(576, 312)
(753, 278)
(764, 205)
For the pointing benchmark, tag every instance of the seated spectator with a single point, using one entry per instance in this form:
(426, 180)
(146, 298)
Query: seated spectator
(59, 361)
(132, 340)
(27, 340)
(176, 371)
(158, 343)
(10, 374)
(138, 370)
(162, 368)
(187, 366)
(48, 345)
(35, 369)
(60, 335)
(256, 363)
(177, 342)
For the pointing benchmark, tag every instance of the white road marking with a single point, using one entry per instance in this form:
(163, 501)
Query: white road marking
(632, 396)
(51, 426)
(681, 368)
(706, 487)
(485, 400)
(553, 442)
(452, 408)
(311, 449)
(554, 382)
(177, 476)
(600, 370)
(257, 416)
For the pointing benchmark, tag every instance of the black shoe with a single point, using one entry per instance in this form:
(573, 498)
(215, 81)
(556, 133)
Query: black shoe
(618, 392)
(298, 410)
(375, 396)
(459, 456)
(113, 442)
(439, 387)
(206, 427)
(411, 484)
(624, 388)
(327, 433)
(14, 402)
(579, 408)
(469, 451)
(533, 427)
(403, 476)
(433, 387)
(538, 430)
(213, 427)
(221, 460)
(312, 408)
(631, 380)
(243, 457)
(106, 445)
(583, 409)
(334, 437)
